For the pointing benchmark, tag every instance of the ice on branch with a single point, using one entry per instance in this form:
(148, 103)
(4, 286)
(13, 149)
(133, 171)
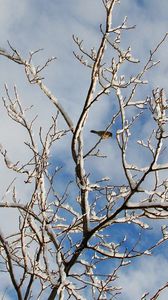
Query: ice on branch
(159, 105)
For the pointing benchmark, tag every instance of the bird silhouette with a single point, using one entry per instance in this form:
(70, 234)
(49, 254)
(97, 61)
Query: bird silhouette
(103, 134)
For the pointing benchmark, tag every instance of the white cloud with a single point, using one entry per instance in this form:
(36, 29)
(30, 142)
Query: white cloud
(148, 275)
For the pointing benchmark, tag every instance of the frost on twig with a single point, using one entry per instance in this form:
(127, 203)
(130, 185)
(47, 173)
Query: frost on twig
(33, 74)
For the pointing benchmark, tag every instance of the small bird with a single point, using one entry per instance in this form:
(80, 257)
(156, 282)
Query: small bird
(103, 134)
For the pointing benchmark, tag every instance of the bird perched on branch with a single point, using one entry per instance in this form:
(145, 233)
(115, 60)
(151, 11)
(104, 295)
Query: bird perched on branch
(103, 134)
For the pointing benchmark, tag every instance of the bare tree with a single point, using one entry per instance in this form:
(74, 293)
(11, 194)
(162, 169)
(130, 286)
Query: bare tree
(64, 242)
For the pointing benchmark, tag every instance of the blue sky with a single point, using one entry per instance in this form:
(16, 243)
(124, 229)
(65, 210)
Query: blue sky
(30, 25)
